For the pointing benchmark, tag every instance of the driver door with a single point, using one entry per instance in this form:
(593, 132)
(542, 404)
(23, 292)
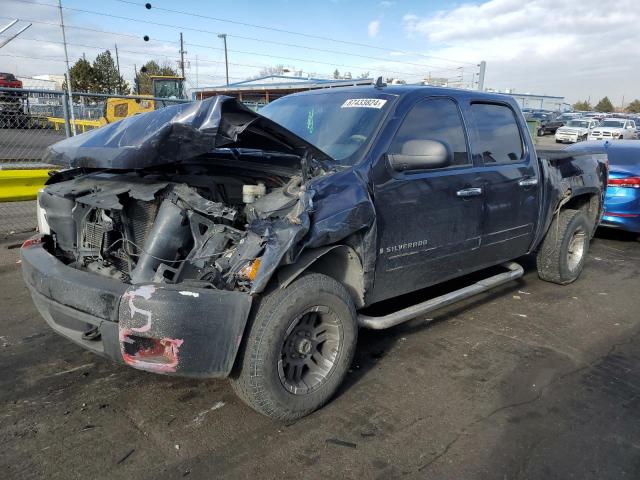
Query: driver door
(428, 219)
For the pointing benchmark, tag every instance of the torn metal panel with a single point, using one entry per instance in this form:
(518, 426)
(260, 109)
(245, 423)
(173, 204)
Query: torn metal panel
(177, 133)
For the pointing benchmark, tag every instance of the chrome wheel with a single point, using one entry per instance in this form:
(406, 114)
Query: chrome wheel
(576, 249)
(310, 350)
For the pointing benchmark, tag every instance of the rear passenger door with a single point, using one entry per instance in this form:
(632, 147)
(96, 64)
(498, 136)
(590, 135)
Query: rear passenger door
(509, 178)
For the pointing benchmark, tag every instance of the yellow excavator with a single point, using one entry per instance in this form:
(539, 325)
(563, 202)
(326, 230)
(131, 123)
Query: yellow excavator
(163, 86)
(115, 109)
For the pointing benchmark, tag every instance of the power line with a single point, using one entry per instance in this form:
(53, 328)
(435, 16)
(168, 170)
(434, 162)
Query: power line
(91, 12)
(133, 52)
(289, 32)
(57, 59)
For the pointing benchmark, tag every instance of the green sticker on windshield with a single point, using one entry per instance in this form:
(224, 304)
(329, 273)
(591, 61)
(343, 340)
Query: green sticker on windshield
(310, 121)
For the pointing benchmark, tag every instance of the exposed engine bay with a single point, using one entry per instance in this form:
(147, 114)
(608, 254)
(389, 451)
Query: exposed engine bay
(194, 227)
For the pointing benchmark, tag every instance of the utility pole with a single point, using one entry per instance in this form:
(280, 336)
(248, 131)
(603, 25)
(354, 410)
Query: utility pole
(483, 68)
(223, 36)
(66, 58)
(622, 108)
(118, 87)
(182, 52)
(136, 83)
(196, 71)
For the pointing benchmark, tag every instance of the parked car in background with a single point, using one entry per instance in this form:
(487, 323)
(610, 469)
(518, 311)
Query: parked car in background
(614, 129)
(622, 201)
(547, 122)
(12, 114)
(568, 116)
(575, 130)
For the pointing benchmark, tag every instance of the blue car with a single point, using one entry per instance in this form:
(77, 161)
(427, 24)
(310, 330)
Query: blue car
(622, 202)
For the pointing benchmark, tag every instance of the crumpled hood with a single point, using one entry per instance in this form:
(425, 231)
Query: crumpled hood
(177, 133)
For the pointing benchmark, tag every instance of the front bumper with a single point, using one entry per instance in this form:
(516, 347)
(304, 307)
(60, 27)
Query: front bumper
(567, 137)
(161, 328)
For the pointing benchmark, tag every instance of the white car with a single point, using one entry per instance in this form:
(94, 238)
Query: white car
(614, 129)
(575, 130)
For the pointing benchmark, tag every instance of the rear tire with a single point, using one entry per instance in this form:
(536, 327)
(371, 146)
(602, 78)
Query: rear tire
(299, 346)
(564, 249)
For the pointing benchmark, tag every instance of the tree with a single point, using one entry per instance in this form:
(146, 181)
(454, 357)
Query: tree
(336, 74)
(604, 105)
(106, 75)
(83, 77)
(364, 75)
(633, 107)
(583, 106)
(152, 68)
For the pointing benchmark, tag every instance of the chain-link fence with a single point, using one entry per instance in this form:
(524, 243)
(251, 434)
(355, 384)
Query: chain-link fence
(30, 121)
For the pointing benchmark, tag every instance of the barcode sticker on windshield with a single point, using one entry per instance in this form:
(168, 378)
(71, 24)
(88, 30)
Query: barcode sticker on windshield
(364, 103)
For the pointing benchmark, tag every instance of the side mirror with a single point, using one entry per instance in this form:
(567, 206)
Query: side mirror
(421, 155)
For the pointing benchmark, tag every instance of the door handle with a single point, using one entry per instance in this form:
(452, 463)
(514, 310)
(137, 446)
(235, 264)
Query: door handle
(528, 182)
(469, 192)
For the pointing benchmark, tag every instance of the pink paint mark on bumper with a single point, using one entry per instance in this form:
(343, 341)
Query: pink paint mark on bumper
(150, 354)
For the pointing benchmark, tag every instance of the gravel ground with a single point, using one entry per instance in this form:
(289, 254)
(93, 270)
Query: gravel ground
(532, 380)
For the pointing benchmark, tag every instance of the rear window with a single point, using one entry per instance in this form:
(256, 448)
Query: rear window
(7, 76)
(498, 137)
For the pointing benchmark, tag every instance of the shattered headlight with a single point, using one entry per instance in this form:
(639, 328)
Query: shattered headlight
(41, 215)
(250, 270)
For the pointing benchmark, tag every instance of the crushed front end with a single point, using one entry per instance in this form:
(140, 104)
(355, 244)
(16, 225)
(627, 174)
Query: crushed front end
(156, 269)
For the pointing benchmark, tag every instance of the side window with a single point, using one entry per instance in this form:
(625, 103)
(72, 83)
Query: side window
(434, 119)
(498, 136)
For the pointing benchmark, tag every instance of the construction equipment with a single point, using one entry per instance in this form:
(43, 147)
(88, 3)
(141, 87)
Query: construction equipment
(168, 86)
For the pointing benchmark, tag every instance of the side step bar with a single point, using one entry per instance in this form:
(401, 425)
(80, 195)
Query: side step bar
(395, 318)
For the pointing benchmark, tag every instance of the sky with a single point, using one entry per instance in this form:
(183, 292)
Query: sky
(579, 49)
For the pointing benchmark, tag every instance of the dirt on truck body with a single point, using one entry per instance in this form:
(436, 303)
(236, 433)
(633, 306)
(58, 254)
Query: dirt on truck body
(207, 240)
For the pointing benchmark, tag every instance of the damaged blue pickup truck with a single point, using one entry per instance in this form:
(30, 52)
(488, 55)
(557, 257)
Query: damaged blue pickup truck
(210, 241)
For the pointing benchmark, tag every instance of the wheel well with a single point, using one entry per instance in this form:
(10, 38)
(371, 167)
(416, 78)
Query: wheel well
(589, 203)
(339, 262)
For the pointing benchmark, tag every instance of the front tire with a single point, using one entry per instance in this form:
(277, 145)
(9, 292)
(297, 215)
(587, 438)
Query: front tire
(564, 249)
(300, 344)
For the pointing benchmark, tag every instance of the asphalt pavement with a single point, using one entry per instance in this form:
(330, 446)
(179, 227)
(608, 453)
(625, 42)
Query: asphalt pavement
(532, 380)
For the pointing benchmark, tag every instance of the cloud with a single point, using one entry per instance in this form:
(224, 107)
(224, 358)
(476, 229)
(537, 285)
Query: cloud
(373, 28)
(387, 4)
(542, 46)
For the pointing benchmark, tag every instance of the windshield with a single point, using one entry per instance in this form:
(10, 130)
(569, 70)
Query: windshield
(339, 124)
(167, 88)
(578, 123)
(612, 123)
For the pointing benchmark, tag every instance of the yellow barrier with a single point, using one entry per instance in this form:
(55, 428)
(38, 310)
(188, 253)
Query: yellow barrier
(83, 125)
(20, 185)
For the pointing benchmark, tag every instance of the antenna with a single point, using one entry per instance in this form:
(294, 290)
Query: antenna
(380, 83)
